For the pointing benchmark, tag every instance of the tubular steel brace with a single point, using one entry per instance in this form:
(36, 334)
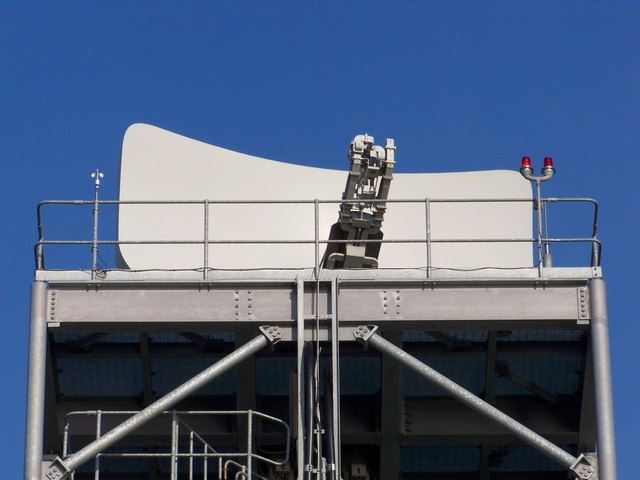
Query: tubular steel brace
(60, 469)
(582, 467)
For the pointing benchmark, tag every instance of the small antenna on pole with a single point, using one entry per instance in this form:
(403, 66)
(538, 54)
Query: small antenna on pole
(97, 175)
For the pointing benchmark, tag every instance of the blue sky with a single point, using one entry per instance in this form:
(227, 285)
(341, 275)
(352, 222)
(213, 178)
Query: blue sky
(459, 85)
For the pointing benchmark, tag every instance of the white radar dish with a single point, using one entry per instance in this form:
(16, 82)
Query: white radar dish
(157, 165)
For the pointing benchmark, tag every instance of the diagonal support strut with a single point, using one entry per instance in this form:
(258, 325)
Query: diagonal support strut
(580, 467)
(60, 469)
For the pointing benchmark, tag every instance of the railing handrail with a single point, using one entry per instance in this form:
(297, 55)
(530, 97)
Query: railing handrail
(175, 454)
(596, 245)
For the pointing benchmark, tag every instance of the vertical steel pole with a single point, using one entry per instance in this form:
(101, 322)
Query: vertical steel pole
(174, 446)
(427, 213)
(602, 380)
(205, 466)
(249, 442)
(65, 438)
(190, 454)
(300, 377)
(547, 259)
(316, 237)
(539, 226)
(335, 378)
(96, 212)
(205, 273)
(40, 246)
(96, 475)
(36, 382)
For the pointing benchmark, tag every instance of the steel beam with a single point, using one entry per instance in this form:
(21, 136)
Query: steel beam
(434, 420)
(602, 380)
(446, 420)
(60, 468)
(36, 381)
(413, 306)
(369, 337)
(417, 349)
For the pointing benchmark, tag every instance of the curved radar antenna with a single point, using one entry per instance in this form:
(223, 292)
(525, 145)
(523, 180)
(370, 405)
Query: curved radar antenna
(358, 230)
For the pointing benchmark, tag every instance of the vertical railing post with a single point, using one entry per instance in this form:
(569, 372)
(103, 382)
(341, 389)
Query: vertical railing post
(40, 246)
(174, 445)
(427, 213)
(190, 454)
(205, 465)
(40, 255)
(316, 237)
(65, 438)
(595, 246)
(96, 474)
(205, 272)
(249, 442)
(595, 253)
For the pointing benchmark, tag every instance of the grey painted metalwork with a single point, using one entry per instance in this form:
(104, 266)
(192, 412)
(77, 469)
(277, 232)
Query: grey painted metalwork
(96, 212)
(440, 275)
(426, 298)
(547, 173)
(602, 377)
(61, 468)
(205, 265)
(368, 336)
(193, 306)
(300, 329)
(335, 378)
(316, 241)
(174, 454)
(36, 381)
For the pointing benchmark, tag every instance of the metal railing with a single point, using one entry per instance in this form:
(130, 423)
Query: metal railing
(541, 240)
(198, 451)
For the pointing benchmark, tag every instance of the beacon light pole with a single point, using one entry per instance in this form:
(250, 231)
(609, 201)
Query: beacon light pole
(547, 173)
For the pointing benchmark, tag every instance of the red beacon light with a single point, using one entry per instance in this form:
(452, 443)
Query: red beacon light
(525, 167)
(526, 170)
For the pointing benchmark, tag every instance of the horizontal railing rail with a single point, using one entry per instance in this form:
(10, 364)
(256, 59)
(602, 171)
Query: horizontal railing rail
(541, 240)
(196, 442)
